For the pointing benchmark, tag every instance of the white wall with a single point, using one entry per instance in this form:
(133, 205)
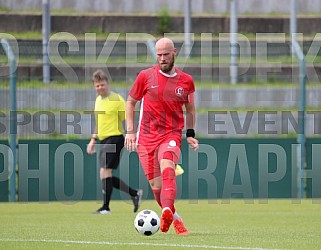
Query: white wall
(177, 6)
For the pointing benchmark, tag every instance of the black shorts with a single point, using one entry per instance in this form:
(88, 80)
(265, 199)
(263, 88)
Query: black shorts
(110, 151)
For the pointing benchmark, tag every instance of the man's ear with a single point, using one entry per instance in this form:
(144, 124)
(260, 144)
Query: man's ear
(175, 51)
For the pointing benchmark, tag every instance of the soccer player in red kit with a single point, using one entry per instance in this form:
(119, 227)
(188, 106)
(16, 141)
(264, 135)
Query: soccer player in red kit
(163, 91)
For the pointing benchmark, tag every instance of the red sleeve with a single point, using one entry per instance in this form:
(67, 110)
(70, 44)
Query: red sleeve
(139, 87)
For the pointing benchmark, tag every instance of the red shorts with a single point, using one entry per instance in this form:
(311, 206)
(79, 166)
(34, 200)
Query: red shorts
(151, 155)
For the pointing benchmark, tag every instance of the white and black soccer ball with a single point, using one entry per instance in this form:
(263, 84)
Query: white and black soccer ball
(147, 222)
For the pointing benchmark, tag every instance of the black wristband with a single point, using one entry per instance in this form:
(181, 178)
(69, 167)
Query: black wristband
(95, 138)
(190, 133)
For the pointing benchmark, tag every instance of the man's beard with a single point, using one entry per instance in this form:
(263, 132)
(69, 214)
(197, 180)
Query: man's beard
(168, 67)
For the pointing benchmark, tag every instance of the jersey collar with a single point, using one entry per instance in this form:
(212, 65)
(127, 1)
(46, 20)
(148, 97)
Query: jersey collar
(167, 75)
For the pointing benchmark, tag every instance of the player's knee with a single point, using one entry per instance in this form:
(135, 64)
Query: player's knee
(155, 183)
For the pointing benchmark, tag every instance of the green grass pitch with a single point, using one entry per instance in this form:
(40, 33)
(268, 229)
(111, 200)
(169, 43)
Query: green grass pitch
(221, 224)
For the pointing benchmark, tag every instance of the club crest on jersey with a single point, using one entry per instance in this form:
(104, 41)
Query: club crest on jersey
(179, 91)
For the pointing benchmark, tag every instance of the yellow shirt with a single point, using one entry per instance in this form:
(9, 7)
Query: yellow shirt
(110, 114)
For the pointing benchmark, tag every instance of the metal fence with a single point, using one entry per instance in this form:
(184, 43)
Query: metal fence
(259, 60)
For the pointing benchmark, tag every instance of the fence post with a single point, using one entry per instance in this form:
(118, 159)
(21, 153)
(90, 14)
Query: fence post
(301, 136)
(13, 118)
(46, 29)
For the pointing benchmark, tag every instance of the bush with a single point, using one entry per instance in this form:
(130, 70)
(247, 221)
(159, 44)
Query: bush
(163, 21)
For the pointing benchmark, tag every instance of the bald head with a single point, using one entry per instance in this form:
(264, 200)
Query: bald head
(165, 43)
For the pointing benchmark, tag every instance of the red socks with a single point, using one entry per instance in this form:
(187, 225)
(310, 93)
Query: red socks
(168, 191)
(157, 196)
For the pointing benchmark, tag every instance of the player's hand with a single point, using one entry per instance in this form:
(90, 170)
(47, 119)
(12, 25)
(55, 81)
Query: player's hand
(192, 142)
(91, 149)
(130, 142)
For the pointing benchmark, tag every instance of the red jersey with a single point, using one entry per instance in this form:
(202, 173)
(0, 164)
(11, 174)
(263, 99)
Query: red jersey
(162, 98)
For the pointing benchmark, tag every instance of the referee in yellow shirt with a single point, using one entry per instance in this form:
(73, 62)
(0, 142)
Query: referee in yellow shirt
(110, 115)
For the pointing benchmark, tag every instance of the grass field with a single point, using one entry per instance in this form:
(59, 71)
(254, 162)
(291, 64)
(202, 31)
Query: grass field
(222, 224)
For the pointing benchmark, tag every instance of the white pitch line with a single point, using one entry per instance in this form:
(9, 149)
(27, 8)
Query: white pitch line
(133, 244)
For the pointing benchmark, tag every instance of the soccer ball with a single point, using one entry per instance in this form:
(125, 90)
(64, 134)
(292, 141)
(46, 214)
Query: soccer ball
(146, 222)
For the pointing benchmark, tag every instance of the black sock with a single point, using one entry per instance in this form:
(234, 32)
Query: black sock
(108, 189)
(119, 184)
